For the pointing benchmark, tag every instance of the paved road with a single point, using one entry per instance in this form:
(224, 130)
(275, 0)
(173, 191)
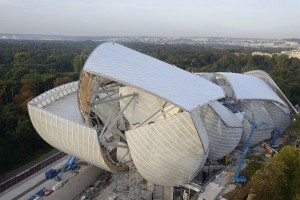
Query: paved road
(7, 176)
(32, 183)
(24, 172)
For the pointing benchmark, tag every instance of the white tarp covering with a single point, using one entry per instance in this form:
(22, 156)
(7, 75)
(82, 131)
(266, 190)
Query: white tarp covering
(171, 83)
(263, 132)
(230, 119)
(250, 87)
(200, 128)
(261, 116)
(222, 138)
(168, 152)
(68, 136)
(280, 115)
(56, 117)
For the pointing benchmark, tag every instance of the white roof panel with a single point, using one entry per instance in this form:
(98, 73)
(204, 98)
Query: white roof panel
(66, 108)
(168, 152)
(129, 67)
(265, 77)
(61, 101)
(250, 87)
(229, 118)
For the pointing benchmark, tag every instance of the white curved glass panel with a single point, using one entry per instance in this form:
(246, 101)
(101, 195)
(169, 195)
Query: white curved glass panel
(168, 152)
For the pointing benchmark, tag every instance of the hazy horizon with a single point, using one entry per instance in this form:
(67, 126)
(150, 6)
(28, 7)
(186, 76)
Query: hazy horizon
(269, 19)
(229, 37)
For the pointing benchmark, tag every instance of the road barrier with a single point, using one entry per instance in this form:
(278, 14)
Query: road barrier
(30, 171)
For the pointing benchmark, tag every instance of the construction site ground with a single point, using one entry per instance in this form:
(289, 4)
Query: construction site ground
(222, 186)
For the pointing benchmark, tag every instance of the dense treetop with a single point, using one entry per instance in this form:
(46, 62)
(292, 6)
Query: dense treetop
(279, 179)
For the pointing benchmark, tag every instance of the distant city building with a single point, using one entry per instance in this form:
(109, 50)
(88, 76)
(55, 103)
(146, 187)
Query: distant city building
(292, 44)
(213, 41)
(292, 54)
(257, 53)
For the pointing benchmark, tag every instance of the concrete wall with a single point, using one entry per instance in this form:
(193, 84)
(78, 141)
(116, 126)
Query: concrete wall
(77, 184)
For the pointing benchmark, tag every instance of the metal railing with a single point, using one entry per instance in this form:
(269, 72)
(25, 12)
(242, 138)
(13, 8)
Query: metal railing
(30, 171)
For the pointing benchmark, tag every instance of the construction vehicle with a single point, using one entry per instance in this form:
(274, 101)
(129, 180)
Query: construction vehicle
(242, 179)
(268, 148)
(70, 165)
(50, 174)
(48, 192)
(41, 193)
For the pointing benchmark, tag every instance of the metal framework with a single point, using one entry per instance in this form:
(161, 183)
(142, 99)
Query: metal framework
(110, 123)
(112, 109)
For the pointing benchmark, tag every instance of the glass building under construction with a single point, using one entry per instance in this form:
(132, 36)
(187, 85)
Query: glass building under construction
(131, 109)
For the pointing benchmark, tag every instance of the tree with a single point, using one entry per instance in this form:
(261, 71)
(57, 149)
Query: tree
(9, 119)
(62, 80)
(27, 92)
(295, 128)
(279, 179)
(21, 57)
(251, 65)
(79, 62)
(40, 58)
(281, 60)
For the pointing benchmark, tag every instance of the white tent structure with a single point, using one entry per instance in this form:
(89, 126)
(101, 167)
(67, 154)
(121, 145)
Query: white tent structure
(131, 109)
(143, 104)
(255, 94)
(131, 103)
(280, 113)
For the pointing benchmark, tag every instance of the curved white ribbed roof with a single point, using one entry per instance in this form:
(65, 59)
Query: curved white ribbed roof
(250, 87)
(129, 67)
(266, 77)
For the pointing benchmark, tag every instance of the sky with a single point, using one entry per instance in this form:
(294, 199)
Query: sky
(170, 18)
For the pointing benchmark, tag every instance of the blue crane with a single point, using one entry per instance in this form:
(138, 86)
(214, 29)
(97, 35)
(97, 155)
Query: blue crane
(70, 165)
(237, 178)
(276, 136)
